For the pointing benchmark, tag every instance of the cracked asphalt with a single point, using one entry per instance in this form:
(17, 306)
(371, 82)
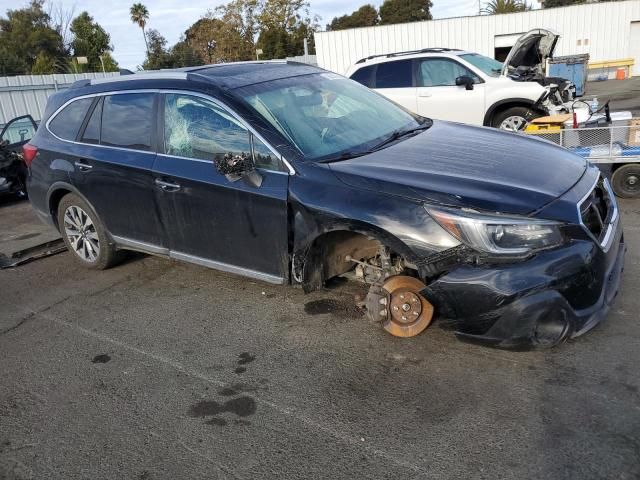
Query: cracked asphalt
(163, 370)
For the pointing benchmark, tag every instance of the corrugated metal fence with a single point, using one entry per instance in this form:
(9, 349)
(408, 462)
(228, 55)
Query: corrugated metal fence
(600, 29)
(27, 94)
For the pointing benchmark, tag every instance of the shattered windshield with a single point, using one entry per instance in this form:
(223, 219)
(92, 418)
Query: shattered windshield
(487, 65)
(325, 115)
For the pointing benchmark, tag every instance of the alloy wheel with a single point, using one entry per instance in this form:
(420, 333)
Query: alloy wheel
(81, 233)
(513, 124)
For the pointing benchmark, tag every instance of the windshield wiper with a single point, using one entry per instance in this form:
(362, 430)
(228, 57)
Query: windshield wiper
(395, 135)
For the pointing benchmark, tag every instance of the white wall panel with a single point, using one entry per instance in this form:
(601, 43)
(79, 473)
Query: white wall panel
(28, 94)
(605, 25)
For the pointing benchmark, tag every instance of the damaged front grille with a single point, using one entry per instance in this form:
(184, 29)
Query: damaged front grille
(599, 213)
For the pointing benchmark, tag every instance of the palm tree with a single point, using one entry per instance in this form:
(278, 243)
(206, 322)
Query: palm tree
(505, 6)
(140, 15)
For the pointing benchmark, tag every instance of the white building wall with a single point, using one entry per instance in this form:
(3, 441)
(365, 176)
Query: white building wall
(605, 26)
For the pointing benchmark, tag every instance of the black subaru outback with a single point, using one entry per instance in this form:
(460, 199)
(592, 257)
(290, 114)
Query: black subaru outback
(290, 174)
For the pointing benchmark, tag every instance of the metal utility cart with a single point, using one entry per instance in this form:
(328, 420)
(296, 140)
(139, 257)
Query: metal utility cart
(614, 149)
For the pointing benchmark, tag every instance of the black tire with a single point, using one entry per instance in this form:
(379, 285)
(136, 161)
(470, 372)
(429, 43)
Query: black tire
(105, 255)
(523, 112)
(625, 181)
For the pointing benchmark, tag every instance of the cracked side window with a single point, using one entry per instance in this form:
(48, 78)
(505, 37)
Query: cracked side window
(196, 128)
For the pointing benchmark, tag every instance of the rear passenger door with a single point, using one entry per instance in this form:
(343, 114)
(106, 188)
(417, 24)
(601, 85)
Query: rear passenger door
(114, 155)
(233, 226)
(394, 80)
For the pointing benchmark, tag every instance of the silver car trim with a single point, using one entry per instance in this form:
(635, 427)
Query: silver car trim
(225, 267)
(144, 247)
(140, 246)
(157, 90)
(613, 222)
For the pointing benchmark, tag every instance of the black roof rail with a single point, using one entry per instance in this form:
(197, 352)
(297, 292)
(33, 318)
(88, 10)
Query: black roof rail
(411, 52)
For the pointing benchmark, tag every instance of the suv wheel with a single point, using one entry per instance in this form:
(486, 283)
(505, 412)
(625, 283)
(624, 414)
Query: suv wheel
(513, 119)
(84, 234)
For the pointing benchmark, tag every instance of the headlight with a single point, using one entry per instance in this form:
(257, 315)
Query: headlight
(497, 234)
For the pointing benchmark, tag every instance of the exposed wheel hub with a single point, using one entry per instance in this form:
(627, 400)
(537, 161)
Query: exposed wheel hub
(408, 313)
(405, 306)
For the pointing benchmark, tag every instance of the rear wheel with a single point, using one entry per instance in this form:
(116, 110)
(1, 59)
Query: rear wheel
(625, 181)
(84, 235)
(513, 119)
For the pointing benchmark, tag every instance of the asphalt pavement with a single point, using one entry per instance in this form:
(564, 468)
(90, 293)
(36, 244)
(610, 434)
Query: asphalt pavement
(162, 370)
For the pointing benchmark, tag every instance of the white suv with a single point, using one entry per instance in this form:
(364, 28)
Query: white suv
(467, 87)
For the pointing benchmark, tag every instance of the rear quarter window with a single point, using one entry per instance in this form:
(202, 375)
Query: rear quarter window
(66, 124)
(364, 76)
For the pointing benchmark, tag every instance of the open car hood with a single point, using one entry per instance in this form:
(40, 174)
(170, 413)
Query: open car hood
(532, 50)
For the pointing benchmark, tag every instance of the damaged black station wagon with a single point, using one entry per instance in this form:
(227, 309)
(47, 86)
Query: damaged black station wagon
(290, 174)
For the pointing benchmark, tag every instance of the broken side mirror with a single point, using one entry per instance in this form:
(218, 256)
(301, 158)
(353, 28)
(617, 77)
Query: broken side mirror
(465, 80)
(235, 166)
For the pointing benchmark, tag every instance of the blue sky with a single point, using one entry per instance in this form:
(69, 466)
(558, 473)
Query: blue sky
(173, 17)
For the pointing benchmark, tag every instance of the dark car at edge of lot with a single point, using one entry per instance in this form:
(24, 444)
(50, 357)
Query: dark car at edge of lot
(13, 171)
(290, 174)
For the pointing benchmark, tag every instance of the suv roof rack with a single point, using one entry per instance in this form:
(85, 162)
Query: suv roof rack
(411, 52)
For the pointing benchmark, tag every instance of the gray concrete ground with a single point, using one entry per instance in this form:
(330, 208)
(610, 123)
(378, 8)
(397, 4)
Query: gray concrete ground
(163, 370)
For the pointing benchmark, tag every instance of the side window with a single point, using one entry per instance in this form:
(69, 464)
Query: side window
(92, 130)
(264, 157)
(127, 121)
(67, 122)
(440, 72)
(197, 128)
(398, 74)
(364, 76)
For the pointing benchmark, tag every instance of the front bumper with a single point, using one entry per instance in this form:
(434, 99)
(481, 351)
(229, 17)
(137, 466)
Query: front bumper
(555, 295)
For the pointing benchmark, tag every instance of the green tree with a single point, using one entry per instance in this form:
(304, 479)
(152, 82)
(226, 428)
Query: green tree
(158, 56)
(90, 40)
(495, 7)
(26, 35)
(365, 16)
(110, 64)
(43, 65)
(184, 55)
(403, 11)
(139, 15)
(284, 24)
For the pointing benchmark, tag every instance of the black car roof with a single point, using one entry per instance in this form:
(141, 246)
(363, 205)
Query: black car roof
(241, 74)
(224, 75)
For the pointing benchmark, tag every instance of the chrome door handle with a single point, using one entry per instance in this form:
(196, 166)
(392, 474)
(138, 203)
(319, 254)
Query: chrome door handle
(83, 167)
(167, 186)
(424, 94)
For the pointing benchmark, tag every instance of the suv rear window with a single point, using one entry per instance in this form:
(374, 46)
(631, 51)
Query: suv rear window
(67, 122)
(397, 74)
(127, 121)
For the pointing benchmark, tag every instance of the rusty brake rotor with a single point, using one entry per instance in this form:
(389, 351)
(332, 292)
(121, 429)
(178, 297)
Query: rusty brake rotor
(409, 312)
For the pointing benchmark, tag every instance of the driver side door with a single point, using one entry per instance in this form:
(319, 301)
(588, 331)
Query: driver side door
(229, 225)
(18, 131)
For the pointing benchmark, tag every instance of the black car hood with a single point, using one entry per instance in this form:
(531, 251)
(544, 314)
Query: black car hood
(470, 167)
